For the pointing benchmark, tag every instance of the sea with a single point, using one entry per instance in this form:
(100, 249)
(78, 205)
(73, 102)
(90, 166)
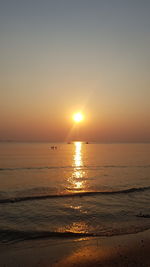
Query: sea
(73, 189)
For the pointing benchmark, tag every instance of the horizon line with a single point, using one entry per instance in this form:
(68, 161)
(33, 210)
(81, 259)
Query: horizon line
(72, 141)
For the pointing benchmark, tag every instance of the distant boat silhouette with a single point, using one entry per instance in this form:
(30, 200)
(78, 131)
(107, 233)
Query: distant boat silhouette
(53, 147)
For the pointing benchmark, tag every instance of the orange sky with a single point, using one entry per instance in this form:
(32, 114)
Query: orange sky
(58, 59)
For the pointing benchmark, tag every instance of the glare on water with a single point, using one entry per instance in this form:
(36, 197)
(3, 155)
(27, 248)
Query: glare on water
(76, 180)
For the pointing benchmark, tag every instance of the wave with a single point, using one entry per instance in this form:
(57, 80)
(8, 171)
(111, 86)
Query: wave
(34, 168)
(9, 235)
(77, 194)
(147, 216)
(72, 167)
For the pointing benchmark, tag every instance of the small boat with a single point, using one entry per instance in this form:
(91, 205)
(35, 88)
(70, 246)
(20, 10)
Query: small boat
(53, 147)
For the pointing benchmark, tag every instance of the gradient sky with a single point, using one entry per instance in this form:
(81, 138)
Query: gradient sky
(58, 57)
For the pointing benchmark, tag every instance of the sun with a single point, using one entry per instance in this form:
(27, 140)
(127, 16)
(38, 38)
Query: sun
(78, 117)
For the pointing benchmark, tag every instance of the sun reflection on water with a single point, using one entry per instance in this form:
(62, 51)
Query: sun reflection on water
(78, 155)
(76, 181)
(75, 227)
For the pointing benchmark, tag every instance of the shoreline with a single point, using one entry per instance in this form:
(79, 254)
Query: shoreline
(121, 250)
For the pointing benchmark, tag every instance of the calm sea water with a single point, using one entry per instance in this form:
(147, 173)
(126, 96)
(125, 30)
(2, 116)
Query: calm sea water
(75, 190)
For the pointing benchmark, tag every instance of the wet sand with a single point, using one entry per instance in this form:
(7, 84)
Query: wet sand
(126, 250)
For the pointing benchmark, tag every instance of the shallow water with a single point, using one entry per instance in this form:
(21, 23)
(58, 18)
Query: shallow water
(75, 190)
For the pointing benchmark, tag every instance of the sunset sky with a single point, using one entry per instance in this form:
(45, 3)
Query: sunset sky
(58, 57)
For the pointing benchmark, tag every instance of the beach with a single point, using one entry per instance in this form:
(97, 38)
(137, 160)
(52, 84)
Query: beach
(79, 205)
(123, 251)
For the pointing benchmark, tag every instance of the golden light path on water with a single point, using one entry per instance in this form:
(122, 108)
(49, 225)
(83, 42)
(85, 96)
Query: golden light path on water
(76, 181)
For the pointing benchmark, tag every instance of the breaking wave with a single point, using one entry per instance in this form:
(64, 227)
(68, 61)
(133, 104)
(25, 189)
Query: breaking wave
(11, 235)
(72, 167)
(77, 194)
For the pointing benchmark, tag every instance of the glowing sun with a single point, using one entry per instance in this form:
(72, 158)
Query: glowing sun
(78, 117)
